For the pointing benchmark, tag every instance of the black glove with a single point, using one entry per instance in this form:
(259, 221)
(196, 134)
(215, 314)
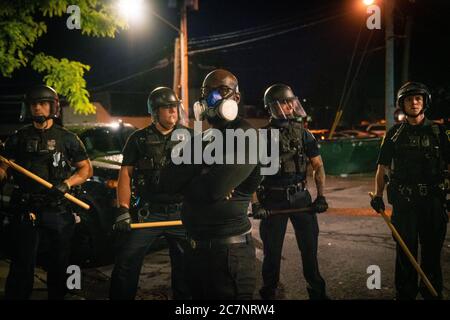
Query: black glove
(123, 220)
(60, 189)
(320, 204)
(259, 212)
(377, 204)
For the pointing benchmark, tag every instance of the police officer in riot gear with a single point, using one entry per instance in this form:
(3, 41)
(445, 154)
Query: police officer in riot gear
(413, 159)
(145, 157)
(50, 152)
(287, 189)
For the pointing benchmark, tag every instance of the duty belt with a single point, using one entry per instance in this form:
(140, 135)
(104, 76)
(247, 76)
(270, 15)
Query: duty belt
(289, 189)
(147, 209)
(212, 243)
(420, 189)
(38, 200)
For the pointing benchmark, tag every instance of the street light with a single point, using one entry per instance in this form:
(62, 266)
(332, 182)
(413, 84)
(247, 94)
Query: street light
(368, 2)
(131, 10)
(180, 80)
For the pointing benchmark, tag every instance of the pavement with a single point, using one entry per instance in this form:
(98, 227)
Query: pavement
(352, 238)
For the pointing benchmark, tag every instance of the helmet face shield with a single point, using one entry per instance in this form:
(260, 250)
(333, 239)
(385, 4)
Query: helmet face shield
(287, 109)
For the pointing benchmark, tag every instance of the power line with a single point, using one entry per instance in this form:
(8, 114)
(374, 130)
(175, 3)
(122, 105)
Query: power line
(339, 110)
(160, 65)
(347, 76)
(267, 36)
(363, 56)
(251, 31)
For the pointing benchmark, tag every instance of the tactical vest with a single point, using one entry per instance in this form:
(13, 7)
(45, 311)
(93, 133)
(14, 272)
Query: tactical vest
(154, 155)
(418, 158)
(43, 153)
(293, 160)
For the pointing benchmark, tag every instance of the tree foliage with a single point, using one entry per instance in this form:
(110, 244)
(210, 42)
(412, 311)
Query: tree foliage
(22, 23)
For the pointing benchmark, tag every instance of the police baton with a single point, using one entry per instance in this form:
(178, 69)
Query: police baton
(173, 223)
(406, 251)
(288, 211)
(43, 182)
(142, 225)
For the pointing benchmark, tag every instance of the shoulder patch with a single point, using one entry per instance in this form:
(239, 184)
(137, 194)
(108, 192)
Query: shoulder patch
(448, 134)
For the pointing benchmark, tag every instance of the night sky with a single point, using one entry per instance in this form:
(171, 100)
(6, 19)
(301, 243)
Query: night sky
(313, 60)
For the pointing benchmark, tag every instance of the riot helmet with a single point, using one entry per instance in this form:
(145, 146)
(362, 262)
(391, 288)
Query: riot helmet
(164, 97)
(282, 104)
(412, 89)
(37, 94)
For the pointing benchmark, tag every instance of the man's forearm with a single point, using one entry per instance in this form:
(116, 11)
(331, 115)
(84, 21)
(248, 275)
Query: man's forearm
(3, 172)
(379, 181)
(78, 178)
(319, 178)
(124, 188)
(254, 198)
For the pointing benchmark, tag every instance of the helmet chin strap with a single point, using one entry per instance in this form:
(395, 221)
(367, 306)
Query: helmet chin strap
(413, 116)
(42, 120)
(39, 119)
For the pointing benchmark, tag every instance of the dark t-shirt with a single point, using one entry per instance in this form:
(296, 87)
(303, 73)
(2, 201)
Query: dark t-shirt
(311, 145)
(206, 211)
(37, 150)
(387, 150)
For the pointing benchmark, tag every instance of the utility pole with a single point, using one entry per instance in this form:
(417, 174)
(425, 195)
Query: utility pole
(176, 68)
(389, 103)
(184, 82)
(407, 48)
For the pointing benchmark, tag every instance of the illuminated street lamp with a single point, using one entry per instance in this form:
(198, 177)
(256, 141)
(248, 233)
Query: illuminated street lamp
(368, 2)
(133, 12)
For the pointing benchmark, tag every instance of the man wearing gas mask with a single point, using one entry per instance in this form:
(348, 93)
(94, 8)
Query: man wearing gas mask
(287, 190)
(221, 257)
(142, 193)
(49, 151)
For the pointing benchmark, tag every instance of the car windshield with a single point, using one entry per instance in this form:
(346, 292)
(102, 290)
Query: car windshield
(105, 141)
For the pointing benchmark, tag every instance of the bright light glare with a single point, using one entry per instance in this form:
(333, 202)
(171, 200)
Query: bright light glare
(115, 125)
(132, 10)
(368, 2)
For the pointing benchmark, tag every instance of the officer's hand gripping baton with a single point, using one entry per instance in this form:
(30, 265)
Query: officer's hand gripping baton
(43, 182)
(406, 251)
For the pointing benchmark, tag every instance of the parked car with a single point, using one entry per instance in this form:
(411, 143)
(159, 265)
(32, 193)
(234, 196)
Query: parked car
(359, 134)
(322, 134)
(378, 129)
(92, 243)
